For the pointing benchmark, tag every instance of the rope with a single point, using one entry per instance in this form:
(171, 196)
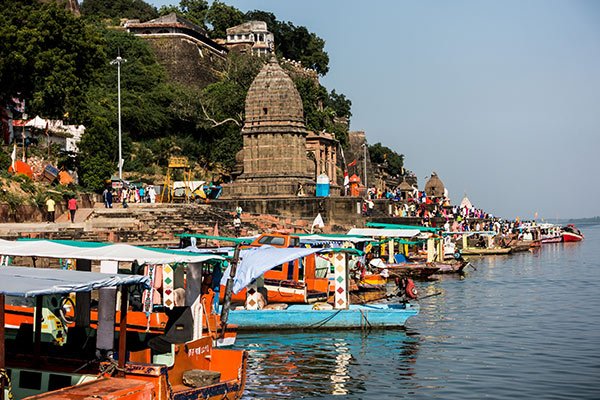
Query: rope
(6, 383)
(363, 316)
(324, 321)
(109, 367)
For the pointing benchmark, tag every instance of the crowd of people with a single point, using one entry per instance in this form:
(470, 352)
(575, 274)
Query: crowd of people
(125, 195)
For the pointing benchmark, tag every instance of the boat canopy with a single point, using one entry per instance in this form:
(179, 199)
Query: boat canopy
(256, 261)
(30, 282)
(392, 233)
(330, 238)
(399, 226)
(100, 252)
(240, 240)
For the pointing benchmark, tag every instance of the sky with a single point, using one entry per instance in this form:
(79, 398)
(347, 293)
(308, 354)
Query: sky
(500, 98)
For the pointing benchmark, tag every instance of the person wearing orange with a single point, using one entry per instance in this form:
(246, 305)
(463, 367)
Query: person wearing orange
(72, 206)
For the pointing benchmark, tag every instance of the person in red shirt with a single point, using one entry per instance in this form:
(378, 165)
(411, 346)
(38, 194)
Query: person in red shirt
(72, 206)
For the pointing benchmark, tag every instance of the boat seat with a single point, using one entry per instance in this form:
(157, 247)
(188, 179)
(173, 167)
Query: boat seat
(399, 258)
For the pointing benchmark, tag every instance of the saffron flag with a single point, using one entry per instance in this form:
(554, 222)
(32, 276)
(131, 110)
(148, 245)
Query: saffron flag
(352, 164)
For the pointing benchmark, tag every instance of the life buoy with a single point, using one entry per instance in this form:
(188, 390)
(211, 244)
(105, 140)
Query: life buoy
(410, 289)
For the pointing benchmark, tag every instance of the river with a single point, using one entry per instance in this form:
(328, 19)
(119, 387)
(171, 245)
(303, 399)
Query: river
(519, 326)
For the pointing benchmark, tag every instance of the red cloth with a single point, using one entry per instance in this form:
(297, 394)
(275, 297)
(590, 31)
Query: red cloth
(72, 204)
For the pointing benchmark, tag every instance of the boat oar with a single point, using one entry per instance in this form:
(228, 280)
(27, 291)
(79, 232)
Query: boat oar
(430, 295)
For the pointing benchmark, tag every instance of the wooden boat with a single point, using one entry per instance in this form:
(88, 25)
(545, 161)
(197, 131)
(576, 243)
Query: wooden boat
(485, 251)
(550, 233)
(294, 282)
(158, 367)
(307, 316)
(60, 318)
(341, 314)
(570, 233)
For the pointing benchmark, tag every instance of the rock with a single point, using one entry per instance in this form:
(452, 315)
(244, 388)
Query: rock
(200, 377)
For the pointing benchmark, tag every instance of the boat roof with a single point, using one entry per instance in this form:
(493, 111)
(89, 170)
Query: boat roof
(31, 282)
(400, 226)
(376, 232)
(241, 240)
(99, 251)
(328, 238)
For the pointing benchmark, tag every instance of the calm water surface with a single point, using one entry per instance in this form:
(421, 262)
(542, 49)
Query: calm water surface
(521, 326)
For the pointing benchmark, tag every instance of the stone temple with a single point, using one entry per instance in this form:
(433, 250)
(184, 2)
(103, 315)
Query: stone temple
(273, 161)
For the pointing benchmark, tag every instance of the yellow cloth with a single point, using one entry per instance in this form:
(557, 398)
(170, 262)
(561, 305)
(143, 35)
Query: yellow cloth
(50, 205)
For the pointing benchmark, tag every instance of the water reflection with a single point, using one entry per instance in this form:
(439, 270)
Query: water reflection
(519, 326)
(321, 364)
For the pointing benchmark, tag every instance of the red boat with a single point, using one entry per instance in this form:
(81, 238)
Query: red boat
(571, 234)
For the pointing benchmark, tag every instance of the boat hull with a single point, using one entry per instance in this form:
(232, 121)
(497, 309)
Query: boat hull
(572, 237)
(473, 251)
(303, 316)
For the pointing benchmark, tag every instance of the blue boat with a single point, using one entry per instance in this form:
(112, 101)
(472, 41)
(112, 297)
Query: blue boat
(305, 316)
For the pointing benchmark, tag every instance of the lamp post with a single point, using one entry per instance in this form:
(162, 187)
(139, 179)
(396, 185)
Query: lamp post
(119, 61)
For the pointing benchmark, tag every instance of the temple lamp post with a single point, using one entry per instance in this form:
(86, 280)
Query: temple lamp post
(119, 61)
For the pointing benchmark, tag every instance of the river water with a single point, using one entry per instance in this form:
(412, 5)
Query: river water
(520, 326)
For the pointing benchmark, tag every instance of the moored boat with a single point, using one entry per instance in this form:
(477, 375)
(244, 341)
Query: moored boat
(571, 233)
(181, 364)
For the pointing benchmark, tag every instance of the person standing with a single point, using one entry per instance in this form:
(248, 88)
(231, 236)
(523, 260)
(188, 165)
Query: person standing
(152, 194)
(72, 206)
(109, 199)
(50, 204)
(124, 194)
(105, 197)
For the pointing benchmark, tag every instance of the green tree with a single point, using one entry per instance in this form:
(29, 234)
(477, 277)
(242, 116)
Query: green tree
(295, 42)
(195, 11)
(48, 57)
(98, 154)
(220, 16)
(132, 9)
(384, 155)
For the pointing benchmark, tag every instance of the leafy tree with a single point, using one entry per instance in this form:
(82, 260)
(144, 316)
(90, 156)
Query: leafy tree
(384, 155)
(295, 42)
(340, 104)
(220, 16)
(195, 11)
(98, 154)
(48, 57)
(132, 9)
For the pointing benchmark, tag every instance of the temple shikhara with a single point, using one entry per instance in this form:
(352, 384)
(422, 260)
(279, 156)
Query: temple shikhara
(274, 161)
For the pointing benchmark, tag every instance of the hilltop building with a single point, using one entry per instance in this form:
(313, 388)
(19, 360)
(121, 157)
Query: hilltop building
(189, 56)
(251, 36)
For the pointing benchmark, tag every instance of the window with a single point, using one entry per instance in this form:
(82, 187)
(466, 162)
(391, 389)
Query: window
(273, 240)
(265, 112)
(56, 381)
(30, 380)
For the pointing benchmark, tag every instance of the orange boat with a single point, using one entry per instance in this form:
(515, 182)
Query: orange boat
(145, 366)
(294, 282)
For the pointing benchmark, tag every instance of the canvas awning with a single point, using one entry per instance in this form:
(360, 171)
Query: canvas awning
(257, 260)
(30, 282)
(330, 238)
(100, 252)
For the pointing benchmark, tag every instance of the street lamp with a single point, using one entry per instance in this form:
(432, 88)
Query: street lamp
(119, 61)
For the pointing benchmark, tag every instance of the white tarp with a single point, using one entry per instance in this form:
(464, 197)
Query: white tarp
(29, 282)
(37, 122)
(256, 261)
(114, 252)
(466, 203)
(381, 232)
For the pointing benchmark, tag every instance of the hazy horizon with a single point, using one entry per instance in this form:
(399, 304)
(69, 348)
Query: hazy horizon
(499, 98)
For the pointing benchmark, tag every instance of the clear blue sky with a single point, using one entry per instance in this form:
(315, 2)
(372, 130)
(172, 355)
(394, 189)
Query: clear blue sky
(501, 99)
